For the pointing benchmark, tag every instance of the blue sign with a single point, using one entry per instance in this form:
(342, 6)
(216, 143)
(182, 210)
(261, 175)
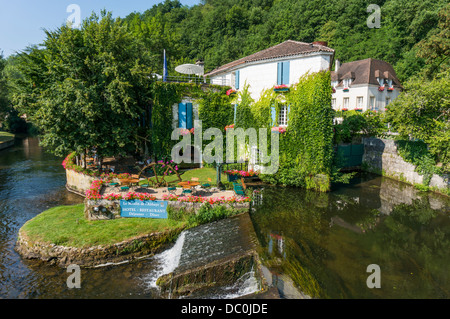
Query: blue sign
(143, 209)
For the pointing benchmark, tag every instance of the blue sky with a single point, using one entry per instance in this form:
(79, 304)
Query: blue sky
(22, 22)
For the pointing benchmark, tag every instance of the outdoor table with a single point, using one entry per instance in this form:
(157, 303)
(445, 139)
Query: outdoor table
(188, 184)
(124, 181)
(134, 181)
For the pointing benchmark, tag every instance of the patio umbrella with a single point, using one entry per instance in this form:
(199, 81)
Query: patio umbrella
(189, 69)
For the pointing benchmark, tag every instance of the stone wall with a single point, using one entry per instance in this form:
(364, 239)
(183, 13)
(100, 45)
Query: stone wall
(77, 182)
(94, 256)
(381, 157)
(6, 144)
(108, 209)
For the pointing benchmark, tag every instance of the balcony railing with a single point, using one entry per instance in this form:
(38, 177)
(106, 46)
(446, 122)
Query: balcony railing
(196, 80)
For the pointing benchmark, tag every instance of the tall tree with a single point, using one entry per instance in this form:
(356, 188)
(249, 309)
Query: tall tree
(87, 88)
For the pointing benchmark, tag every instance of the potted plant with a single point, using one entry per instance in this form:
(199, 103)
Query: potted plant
(279, 129)
(381, 88)
(346, 89)
(390, 89)
(358, 109)
(281, 88)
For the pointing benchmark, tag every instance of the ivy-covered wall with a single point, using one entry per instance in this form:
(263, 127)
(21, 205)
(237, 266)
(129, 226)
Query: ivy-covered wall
(214, 110)
(306, 148)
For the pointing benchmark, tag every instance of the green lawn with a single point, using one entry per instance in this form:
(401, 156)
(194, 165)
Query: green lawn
(201, 173)
(66, 225)
(5, 136)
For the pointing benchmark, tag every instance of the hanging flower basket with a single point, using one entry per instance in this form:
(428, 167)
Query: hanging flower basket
(346, 89)
(381, 88)
(358, 109)
(185, 131)
(334, 90)
(231, 92)
(344, 109)
(390, 89)
(281, 88)
(279, 130)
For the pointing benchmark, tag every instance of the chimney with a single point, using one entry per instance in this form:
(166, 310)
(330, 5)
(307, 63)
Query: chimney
(324, 43)
(337, 65)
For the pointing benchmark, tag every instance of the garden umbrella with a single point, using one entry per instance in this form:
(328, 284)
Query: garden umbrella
(189, 69)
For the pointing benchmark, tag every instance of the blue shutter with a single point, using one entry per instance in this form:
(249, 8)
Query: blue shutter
(235, 110)
(237, 80)
(279, 73)
(189, 121)
(273, 114)
(182, 115)
(285, 77)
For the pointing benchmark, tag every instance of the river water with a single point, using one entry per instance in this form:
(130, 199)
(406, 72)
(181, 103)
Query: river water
(319, 244)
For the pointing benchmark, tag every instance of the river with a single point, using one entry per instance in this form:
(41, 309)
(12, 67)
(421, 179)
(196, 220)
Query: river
(320, 244)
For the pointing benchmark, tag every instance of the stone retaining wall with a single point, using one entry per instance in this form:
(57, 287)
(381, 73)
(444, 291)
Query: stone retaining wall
(6, 144)
(124, 251)
(381, 157)
(77, 182)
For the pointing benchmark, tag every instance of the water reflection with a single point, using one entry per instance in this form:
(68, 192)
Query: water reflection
(324, 242)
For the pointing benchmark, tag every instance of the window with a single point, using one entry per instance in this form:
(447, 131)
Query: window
(389, 83)
(359, 102)
(388, 100)
(347, 82)
(333, 103)
(282, 117)
(346, 102)
(372, 103)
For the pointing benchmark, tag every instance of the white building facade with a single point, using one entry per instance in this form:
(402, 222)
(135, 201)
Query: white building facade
(364, 85)
(282, 64)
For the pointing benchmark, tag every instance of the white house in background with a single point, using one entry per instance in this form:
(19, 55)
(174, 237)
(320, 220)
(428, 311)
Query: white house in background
(365, 84)
(281, 64)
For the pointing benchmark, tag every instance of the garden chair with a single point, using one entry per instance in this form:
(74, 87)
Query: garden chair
(172, 190)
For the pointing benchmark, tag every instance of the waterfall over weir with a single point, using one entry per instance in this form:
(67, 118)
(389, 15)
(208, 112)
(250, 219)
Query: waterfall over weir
(215, 260)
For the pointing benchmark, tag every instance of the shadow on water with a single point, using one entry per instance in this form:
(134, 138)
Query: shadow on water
(324, 241)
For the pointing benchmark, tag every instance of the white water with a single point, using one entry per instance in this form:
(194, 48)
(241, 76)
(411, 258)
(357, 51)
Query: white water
(167, 261)
(245, 285)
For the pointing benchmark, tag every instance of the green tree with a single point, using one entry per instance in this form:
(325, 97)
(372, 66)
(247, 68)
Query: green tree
(87, 88)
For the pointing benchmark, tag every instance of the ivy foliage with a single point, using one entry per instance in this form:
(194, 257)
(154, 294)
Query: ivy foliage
(306, 148)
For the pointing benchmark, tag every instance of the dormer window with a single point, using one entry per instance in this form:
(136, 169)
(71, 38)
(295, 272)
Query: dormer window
(380, 81)
(389, 83)
(347, 82)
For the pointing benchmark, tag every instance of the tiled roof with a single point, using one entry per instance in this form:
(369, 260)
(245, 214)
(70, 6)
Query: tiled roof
(284, 49)
(365, 72)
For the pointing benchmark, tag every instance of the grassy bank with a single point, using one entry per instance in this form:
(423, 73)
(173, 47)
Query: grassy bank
(66, 226)
(5, 137)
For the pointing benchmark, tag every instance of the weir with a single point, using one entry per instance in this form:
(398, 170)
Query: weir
(215, 260)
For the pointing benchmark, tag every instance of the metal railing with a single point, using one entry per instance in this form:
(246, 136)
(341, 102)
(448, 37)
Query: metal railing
(196, 80)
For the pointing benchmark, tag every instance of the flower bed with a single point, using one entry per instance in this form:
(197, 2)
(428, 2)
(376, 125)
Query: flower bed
(242, 173)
